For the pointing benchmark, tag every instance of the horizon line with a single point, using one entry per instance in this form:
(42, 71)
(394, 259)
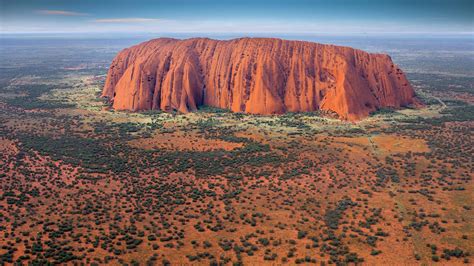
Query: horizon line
(234, 33)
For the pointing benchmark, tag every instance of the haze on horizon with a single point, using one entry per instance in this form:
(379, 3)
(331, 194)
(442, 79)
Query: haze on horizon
(256, 16)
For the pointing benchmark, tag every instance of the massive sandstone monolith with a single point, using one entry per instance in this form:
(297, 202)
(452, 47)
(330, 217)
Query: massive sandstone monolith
(255, 75)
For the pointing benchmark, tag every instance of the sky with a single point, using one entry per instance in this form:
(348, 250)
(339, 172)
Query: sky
(254, 16)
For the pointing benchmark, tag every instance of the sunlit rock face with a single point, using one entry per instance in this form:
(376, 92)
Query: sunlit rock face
(255, 75)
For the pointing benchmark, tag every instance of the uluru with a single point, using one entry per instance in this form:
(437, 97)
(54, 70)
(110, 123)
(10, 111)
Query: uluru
(255, 75)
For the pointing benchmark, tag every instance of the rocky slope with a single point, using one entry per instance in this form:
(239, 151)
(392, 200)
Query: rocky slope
(255, 75)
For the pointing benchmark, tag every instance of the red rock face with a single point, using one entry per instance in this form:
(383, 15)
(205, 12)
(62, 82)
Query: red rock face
(255, 75)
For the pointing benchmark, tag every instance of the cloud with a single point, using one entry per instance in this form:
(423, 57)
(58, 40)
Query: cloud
(126, 20)
(59, 13)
